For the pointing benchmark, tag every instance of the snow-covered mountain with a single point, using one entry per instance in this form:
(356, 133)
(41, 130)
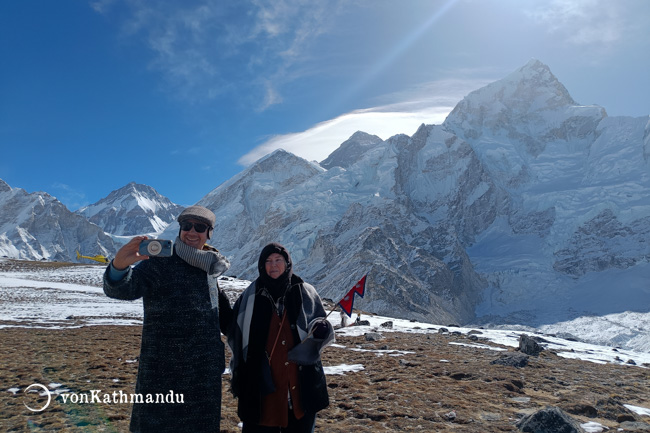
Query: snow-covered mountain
(351, 150)
(524, 206)
(342, 223)
(242, 204)
(573, 236)
(37, 226)
(132, 210)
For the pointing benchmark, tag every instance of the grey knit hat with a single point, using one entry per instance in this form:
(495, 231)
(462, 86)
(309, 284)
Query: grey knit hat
(199, 213)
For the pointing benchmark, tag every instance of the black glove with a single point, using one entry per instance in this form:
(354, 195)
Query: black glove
(321, 329)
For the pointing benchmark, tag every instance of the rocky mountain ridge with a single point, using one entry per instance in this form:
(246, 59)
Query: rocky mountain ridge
(38, 226)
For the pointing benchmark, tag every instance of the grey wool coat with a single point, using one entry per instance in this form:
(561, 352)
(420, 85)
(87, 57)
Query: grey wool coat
(181, 349)
(249, 381)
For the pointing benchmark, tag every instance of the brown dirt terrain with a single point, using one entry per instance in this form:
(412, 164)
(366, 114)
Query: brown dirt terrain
(436, 387)
(410, 383)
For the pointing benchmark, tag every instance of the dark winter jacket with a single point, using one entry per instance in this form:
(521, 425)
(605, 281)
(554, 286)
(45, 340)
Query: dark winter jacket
(181, 350)
(250, 373)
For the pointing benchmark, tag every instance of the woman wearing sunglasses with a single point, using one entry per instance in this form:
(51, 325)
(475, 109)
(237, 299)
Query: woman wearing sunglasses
(278, 333)
(181, 355)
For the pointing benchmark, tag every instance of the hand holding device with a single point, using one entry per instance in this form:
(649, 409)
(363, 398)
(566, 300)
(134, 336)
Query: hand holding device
(156, 248)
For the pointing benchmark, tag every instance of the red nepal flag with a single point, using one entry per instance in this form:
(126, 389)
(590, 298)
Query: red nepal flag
(348, 300)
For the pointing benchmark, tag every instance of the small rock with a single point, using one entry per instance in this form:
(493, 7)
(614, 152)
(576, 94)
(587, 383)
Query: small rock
(625, 418)
(405, 363)
(451, 415)
(529, 346)
(518, 360)
(373, 336)
(551, 419)
(387, 325)
(635, 426)
(583, 409)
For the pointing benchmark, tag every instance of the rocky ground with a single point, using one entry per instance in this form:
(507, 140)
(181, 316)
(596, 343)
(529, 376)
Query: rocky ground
(435, 387)
(409, 382)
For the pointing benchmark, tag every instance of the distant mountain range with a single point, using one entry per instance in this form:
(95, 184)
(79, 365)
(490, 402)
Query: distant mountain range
(522, 207)
(37, 226)
(132, 210)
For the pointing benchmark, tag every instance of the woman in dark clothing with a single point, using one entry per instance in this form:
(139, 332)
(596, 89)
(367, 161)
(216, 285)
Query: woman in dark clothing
(276, 339)
(182, 355)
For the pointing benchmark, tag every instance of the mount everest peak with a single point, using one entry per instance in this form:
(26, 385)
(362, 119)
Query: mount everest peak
(351, 150)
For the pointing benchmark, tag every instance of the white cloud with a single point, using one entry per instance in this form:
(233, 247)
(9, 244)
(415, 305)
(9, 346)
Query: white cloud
(204, 49)
(316, 143)
(272, 96)
(583, 22)
(102, 6)
(427, 104)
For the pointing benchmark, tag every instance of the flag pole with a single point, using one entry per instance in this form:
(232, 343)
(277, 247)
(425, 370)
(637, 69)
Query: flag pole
(333, 309)
(338, 304)
(312, 331)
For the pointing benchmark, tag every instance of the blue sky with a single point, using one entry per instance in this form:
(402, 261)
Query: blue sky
(183, 95)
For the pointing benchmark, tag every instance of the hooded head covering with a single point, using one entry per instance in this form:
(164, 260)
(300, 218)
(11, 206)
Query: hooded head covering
(279, 285)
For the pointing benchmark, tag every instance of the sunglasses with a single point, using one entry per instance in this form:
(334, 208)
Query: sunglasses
(186, 226)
